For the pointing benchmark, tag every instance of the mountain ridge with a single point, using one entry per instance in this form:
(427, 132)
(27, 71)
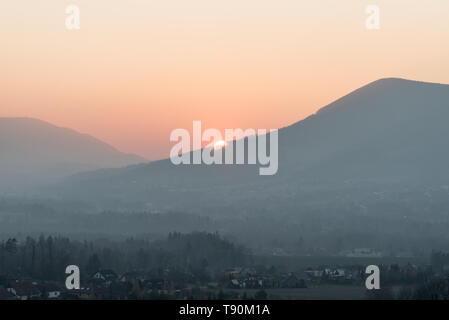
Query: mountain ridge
(32, 148)
(390, 133)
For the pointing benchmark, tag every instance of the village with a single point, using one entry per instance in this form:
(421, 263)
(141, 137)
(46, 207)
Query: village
(232, 283)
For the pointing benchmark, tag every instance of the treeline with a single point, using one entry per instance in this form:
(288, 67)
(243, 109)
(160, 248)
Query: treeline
(395, 228)
(200, 254)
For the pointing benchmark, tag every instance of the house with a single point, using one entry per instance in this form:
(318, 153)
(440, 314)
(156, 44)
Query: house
(249, 272)
(334, 273)
(50, 290)
(234, 283)
(269, 282)
(132, 277)
(233, 273)
(24, 290)
(105, 276)
(239, 272)
(314, 274)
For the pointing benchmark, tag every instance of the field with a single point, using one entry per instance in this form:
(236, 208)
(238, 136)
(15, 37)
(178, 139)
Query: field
(324, 292)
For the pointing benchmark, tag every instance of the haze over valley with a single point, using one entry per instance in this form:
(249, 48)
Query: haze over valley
(368, 170)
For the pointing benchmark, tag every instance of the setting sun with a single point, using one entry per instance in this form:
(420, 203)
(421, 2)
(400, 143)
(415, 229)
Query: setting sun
(219, 144)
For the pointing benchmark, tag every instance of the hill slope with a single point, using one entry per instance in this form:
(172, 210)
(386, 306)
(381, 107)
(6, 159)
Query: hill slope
(36, 152)
(388, 135)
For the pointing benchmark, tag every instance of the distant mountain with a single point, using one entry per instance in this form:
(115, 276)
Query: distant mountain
(34, 152)
(387, 136)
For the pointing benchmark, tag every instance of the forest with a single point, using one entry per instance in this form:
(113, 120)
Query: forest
(45, 258)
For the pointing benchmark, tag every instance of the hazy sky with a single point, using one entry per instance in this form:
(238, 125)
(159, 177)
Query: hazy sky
(136, 70)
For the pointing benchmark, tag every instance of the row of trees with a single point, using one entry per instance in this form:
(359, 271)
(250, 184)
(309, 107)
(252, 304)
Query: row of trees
(47, 257)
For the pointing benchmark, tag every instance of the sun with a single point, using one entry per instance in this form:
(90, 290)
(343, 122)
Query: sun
(219, 144)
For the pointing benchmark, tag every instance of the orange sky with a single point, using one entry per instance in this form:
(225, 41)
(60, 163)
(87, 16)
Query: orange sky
(138, 69)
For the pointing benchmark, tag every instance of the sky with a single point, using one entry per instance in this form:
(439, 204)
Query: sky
(138, 69)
